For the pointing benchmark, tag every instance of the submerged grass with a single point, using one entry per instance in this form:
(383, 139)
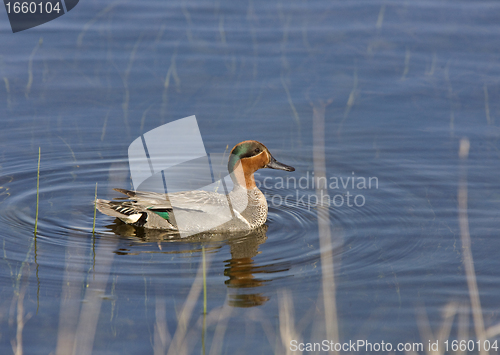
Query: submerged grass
(30, 67)
(95, 208)
(37, 189)
(204, 281)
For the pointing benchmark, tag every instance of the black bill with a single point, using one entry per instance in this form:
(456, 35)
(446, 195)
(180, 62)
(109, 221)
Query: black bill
(274, 164)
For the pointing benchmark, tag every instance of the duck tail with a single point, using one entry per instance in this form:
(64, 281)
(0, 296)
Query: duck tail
(109, 208)
(129, 193)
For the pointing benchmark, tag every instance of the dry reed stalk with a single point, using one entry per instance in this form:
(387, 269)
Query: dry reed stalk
(17, 345)
(162, 336)
(177, 345)
(287, 322)
(73, 279)
(325, 242)
(91, 308)
(463, 219)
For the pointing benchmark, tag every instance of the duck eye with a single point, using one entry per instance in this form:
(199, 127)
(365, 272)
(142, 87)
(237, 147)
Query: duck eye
(257, 150)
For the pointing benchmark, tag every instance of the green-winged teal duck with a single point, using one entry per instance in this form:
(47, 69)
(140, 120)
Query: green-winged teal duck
(244, 208)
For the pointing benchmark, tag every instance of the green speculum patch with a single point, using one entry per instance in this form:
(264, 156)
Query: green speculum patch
(162, 214)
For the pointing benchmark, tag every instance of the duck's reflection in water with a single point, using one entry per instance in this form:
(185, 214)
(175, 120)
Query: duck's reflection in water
(240, 269)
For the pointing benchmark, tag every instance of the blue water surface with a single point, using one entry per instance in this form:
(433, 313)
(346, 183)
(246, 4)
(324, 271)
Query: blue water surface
(397, 84)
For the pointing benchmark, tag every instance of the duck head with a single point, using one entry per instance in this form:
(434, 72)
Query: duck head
(246, 158)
